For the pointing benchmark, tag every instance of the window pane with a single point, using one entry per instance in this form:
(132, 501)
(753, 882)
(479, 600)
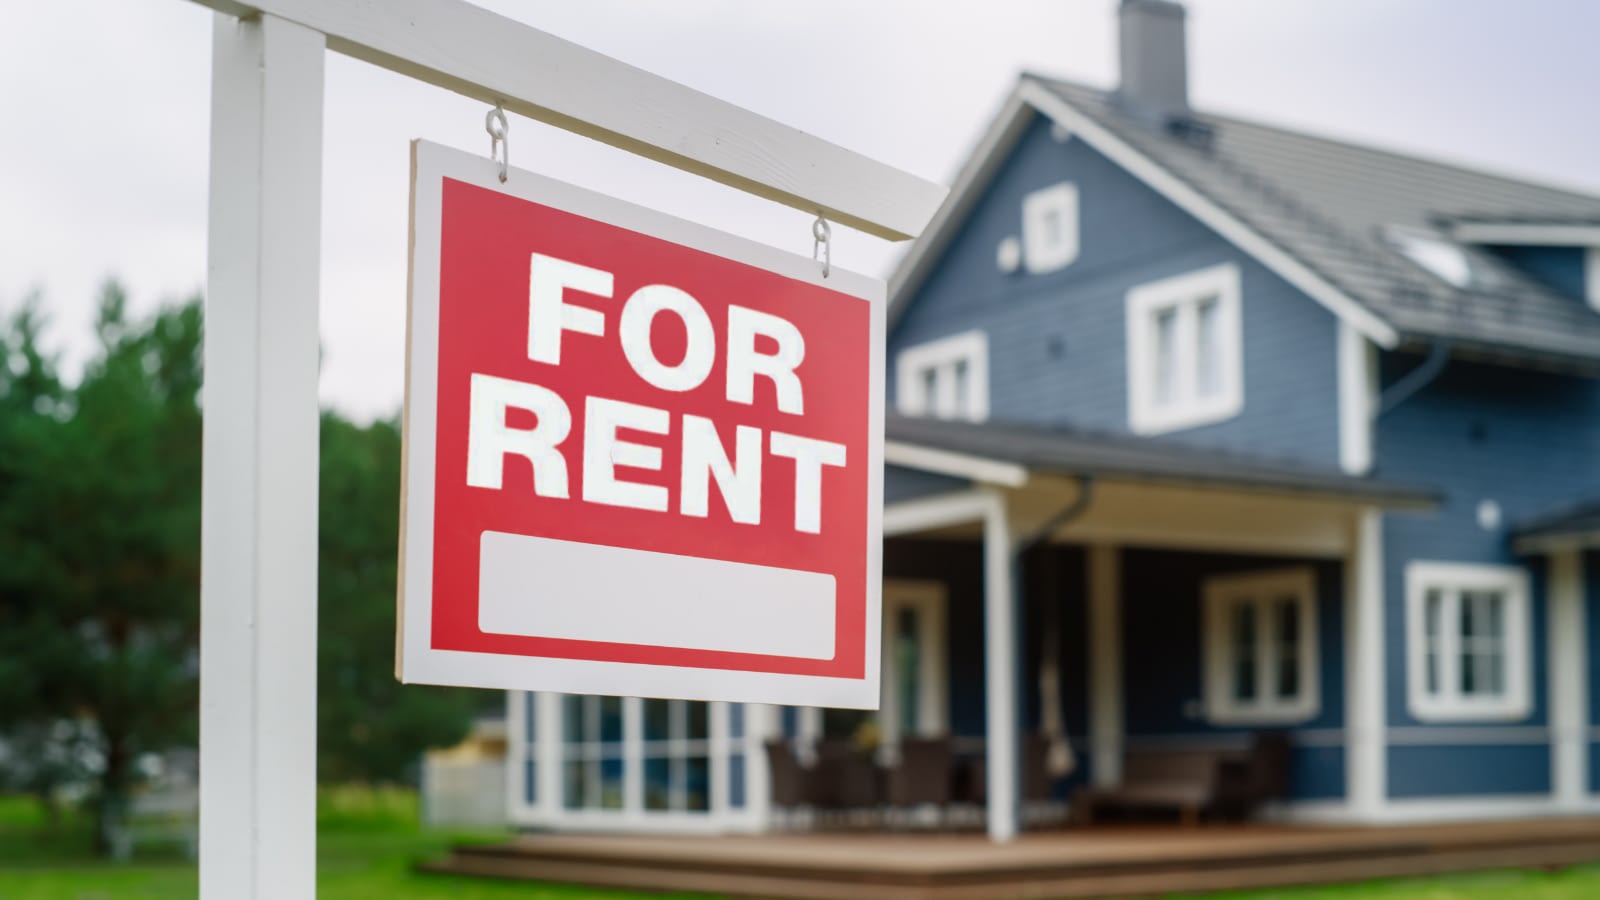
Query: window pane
(657, 720)
(1166, 381)
(1208, 353)
(697, 787)
(1288, 621)
(1494, 674)
(574, 718)
(930, 390)
(657, 783)
(961, 374)
(908, 664)
(573, 784)
(610, 784)
(699, 727)
(1244, 652)
(611, 719)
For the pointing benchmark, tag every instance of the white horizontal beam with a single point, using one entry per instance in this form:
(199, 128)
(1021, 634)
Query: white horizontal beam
(956, 465)
(488, 57)
(1530, 233)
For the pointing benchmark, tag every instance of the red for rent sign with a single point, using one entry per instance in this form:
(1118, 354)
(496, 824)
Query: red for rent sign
(642, 457)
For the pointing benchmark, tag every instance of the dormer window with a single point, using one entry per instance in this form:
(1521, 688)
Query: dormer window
(945, 379)
(1442, 258)
(1185, 365)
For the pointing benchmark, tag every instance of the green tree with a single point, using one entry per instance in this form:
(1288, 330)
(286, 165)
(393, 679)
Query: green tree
(100, 528)
(370, 727)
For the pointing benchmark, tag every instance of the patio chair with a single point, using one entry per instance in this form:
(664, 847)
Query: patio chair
(1194, 783)
(923, 775)
(847, 778)
(793, 785)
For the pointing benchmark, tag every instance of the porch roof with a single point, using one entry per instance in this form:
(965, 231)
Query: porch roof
(1065, 451)
(1573, 526)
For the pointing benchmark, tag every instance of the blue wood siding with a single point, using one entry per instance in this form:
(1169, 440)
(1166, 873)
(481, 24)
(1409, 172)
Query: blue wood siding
(1468, 770)
(1558, 267)
(1527, 441)
(1162, 656)
(901, 483)
(1057, 345)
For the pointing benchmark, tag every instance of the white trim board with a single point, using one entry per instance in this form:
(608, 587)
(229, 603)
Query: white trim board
(488, 57)
(958, 465)
(1527, 234)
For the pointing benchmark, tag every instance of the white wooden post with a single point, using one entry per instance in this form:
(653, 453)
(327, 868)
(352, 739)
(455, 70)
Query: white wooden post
(1569, 681)
(1000, 659)
(258, 591)
(1105, 665)
(1366, 710)
(761, 724)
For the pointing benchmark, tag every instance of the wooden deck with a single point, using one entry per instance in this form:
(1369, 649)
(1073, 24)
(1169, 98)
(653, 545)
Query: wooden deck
(1100, 862)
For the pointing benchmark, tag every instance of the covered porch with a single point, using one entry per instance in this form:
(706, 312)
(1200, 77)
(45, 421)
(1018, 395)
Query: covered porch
(1128, 601)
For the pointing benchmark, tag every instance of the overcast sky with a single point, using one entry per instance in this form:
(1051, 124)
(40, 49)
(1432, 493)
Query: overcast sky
(104, 122)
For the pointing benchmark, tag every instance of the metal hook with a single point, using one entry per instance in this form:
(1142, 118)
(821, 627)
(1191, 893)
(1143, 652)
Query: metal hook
(499, 139)
(821, 251)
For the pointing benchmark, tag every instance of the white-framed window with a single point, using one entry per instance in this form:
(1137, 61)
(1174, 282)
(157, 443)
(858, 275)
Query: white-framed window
(946, 379)
(1260, 647)
(1185, 351)
(1467, 641)
(1050, 227)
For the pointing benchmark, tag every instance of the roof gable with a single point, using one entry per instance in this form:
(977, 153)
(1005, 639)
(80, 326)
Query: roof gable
(1314, 211)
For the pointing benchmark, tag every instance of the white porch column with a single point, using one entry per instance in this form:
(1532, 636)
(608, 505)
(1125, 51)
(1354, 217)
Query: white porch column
(1106, 724)
(762, 723)
(1000, 660)
(258, 585)
(1366, 760)
(1569, 688)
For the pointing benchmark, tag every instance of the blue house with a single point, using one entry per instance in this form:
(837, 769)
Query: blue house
(1202, 427)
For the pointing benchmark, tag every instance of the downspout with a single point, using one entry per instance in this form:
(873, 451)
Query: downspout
(1416, 379)
(1058, 755)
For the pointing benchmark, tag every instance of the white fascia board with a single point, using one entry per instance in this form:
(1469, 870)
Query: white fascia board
(1208, 212)
(938, 511)
(1556, 543)
(1527, 234)
(490, 58)
(958, 465)
(1002, 134)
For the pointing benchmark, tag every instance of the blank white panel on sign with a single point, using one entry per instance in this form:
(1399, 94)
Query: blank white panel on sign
(541, 587)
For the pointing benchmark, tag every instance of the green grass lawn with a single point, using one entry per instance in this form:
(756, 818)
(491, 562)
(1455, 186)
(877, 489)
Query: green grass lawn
(368, 844)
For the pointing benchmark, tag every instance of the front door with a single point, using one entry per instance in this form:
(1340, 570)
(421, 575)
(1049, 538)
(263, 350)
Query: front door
(913, 701)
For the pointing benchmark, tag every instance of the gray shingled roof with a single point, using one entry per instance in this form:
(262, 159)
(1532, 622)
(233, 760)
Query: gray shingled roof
(1583, 519)
(1073, 452)
(1328, 203)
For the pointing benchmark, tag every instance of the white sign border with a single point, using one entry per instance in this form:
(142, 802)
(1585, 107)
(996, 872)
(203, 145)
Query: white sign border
(416, 660)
